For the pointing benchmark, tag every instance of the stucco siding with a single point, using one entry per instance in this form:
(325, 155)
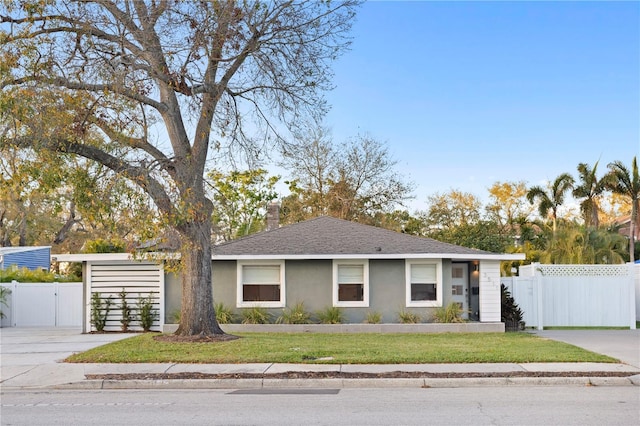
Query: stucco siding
(387, 290)
(309, 281)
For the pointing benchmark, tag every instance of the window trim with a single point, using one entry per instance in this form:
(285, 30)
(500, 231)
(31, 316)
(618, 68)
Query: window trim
(240, 303)
(439, 284)
(365, 288)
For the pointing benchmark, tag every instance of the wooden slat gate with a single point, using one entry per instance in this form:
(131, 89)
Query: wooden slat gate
(137, 279)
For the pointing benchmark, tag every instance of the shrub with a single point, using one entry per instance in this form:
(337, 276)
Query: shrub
(147, 313)
(373, 318)
(24, 275)
(224, 314)
(511, 312)
(331, 315)
(295, 315)
(407, 317)
(125, 309)
(4, 293)
(255, 315)
(449, 314)
(99, 311)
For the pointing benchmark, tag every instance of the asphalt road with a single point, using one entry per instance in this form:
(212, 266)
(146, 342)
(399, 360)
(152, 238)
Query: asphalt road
(469, 406)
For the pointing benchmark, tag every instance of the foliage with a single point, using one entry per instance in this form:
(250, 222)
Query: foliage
(511, 312)
(262, 66)
(353, 180)
(624, 181)
(100, 308)
(125, 311)
(224, 314)
(452, 209)
(452, 313)
(374, 317)
(346, 348)
(24, 275)
(4, 294)
(330, 315)
(147, 313)
(255, 315)
(296, 315)
(408, 317)
(581, 245)
(483, 235)
(101, 245)
(589, 189)
(508, 204)
(240, 199)
(552, 198)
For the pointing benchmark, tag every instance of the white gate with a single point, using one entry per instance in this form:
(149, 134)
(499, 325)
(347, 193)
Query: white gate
(43, 305)
(575, 295)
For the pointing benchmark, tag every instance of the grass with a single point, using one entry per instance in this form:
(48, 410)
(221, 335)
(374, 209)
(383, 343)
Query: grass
(345, 348)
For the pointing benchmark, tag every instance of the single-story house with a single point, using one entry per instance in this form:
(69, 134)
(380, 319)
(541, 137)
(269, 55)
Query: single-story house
(34, 258)
(328, 262)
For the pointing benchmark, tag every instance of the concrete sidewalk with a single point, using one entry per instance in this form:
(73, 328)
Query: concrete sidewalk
(31, 359)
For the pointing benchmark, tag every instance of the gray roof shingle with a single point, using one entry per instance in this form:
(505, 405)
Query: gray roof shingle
(327, 235)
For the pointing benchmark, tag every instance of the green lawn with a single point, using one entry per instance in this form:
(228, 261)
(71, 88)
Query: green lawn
(345, 349)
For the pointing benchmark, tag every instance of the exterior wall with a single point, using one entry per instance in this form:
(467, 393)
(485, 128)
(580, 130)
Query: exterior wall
(310, 281)
(172, 297)
(490, 298)
(30, 258)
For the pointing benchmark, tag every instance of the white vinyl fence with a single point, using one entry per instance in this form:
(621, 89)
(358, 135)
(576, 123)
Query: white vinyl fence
(576, 295)
(43, 305)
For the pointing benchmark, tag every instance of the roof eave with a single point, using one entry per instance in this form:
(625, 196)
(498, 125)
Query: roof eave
(453, 256)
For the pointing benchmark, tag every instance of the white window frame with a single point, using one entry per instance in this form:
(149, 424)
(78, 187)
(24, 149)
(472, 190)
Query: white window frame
(365, 288)
(424, 303)
(240, 303)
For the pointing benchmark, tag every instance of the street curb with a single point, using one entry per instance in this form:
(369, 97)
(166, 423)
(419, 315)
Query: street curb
(346, 383)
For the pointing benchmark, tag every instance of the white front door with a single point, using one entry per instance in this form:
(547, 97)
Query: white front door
(460, 286)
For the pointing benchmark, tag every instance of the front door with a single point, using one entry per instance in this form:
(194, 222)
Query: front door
(460, 286)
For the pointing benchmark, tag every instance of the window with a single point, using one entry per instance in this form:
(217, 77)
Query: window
(424, 283)
(351, 283)
(261, 284)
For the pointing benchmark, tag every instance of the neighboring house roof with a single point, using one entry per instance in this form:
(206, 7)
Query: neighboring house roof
(328, 237)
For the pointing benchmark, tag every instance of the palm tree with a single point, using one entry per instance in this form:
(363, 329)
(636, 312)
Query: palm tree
(626, 182)
(550, 201)
(589, 189)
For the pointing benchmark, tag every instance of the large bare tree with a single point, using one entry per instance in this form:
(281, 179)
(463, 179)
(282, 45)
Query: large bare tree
(195, 74)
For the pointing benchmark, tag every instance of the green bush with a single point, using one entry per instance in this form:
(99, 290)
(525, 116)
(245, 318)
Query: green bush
(4, 293)
(449, 314)
(255, 316)
(99, 311)
(125, 310)
(147, 313)
(224, 314)
(24, 275)
(331, 315)
(373, 318)
(407, 317)
(295, 315)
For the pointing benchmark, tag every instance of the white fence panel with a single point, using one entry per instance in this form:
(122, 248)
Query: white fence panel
(577, 295)
(35, 305)
(69, 304)
(43, 305)
(636, 268)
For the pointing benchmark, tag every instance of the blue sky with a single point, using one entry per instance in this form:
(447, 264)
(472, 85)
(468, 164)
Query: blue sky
(469, 93)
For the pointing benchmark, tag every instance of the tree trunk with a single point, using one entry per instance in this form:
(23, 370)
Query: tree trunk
(197, 315)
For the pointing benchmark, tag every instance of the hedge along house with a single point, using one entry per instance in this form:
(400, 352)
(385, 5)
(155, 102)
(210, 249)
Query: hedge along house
(323, 262)
(327, 262)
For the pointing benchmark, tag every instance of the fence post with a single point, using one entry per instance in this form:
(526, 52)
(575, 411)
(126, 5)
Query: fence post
(632, 295)
(537, 284)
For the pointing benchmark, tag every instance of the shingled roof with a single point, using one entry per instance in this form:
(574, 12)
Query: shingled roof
(330, 236)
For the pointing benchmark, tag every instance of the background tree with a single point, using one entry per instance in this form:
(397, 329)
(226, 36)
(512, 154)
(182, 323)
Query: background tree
(626, 182)
(589, 189)
(240, 199)
(452, 209)
(353, 181)
(199, 70)
(550, 200)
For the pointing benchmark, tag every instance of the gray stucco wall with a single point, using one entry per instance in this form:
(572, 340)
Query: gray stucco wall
(310, 281)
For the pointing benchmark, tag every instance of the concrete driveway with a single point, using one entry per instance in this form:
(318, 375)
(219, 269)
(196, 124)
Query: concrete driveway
(621, 344)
